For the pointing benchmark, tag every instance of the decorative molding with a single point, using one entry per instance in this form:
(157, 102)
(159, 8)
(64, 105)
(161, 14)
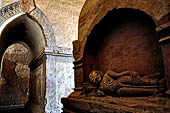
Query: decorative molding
(167, 38)
(39, 59)
(47, 27)
(163, 26)
(9, 11)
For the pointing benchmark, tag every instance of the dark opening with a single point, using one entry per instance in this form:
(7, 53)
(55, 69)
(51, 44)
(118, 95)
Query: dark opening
(26, 31)
(15, 71)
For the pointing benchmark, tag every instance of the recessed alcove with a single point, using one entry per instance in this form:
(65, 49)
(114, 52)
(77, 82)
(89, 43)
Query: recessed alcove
(125, 39)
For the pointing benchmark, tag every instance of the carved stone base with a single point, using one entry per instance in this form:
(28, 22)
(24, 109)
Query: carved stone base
(116, 105)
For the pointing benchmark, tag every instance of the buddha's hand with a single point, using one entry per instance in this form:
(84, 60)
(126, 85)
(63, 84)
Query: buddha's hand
(135, 78)
(100, 93)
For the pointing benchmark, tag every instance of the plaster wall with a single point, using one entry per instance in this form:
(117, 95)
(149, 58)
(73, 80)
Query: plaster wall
(63, 15)
(16, 72)
(61, 71)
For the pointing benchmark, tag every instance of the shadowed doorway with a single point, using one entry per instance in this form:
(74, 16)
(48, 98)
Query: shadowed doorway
(28, 32)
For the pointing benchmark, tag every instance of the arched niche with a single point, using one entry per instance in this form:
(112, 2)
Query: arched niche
(125, 39)
(94, 11)
(23, 29)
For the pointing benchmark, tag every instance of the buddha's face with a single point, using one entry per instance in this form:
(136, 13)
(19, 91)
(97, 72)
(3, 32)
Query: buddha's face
(95, 77)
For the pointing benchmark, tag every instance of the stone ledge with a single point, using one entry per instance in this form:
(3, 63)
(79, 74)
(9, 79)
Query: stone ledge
(117, 105)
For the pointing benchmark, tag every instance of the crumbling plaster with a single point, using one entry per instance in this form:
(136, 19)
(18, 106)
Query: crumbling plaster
(63, 15)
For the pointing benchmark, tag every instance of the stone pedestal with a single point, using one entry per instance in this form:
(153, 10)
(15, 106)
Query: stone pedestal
(116, 105)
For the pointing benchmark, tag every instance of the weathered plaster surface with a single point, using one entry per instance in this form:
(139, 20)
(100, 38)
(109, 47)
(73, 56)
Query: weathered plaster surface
(7, 2)
(16, 72)
(20, 55)
(63, 15)
(59, 80)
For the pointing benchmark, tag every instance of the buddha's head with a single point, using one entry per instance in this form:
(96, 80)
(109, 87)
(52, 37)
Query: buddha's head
(95, 77)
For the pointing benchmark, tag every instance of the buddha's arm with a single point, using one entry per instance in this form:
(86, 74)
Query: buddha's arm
(116, 75)
(149, 82)
(138, 81)
(152, 76)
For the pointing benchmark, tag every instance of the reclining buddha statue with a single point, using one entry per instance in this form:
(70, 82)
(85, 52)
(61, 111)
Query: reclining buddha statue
(127, 83)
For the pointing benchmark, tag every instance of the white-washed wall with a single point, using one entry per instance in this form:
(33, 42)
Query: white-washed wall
(59, 81)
